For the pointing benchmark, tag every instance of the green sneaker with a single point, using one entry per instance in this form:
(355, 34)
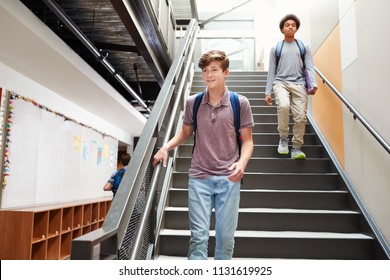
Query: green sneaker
(297, 153)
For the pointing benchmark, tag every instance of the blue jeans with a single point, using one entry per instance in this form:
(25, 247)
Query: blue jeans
(203, 195)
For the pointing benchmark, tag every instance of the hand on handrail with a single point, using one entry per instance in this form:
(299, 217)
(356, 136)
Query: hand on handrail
(161, 155)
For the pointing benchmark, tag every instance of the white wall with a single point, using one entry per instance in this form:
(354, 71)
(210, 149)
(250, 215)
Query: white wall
(365, 75)
(15, 81)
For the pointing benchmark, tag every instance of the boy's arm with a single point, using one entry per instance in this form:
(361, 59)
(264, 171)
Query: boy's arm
(110, 182)
(246, 153)
(270, 77)
(178, 139)
(107, 186)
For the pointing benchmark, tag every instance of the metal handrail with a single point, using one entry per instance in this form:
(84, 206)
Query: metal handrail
(112, 233)
(355, 113)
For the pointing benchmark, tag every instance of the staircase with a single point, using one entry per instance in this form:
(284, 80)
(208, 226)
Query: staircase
(292, 209)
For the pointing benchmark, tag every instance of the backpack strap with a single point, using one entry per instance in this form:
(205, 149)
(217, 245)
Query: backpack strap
(278, 51)
(279, 47)
(235, 102)
(302, 49)
(198, 100)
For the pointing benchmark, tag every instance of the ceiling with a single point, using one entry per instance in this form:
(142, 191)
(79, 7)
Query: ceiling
(106, 27)
(99, 23)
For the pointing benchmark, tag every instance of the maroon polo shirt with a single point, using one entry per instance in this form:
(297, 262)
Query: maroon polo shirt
(216, 145)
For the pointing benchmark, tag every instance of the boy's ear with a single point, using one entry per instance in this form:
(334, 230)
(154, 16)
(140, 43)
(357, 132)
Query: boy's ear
(226, 73)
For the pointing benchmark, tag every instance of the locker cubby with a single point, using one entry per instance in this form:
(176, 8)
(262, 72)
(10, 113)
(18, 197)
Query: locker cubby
(102, 210)
(77, 233)
(38, 251)
(78, 216)
(55, 217)
(86, 229)
(66, 241)
(53, 248)
(95, 213)
(40, 223)
(94, 226)
(87, 215)
(67, 219)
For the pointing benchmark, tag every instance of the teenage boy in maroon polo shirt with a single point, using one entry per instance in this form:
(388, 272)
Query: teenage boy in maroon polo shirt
(216, 165)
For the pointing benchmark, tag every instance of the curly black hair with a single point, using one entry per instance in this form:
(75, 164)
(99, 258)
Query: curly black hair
(288, 17)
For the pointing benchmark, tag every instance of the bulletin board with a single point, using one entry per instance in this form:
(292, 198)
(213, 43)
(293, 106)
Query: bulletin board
(49, 157)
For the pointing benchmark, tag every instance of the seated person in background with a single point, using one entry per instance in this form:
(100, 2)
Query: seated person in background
(115, 179)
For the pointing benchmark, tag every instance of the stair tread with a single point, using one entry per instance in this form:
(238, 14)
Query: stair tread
(286, 173)
(166, 257)
(275, 173)
(277, 190)
(277, 210)
(266, 145)
(269, 158)
(277, 234)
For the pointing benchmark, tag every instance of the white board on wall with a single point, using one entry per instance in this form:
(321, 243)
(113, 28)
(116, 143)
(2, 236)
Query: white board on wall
(53, 159)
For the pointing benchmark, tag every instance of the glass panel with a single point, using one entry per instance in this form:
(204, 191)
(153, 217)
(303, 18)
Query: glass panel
(240, 51)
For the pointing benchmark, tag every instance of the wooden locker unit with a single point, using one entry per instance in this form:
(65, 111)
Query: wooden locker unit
(46, 232)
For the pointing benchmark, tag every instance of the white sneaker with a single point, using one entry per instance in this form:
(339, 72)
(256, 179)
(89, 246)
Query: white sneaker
(297, 153)
(283, 146)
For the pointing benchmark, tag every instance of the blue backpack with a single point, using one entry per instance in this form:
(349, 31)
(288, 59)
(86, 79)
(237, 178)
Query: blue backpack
(234, 100)
(279, 47)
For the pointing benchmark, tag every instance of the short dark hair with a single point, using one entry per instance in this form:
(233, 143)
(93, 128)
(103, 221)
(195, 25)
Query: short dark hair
(209, 56)
(124, 158)
(288, 17)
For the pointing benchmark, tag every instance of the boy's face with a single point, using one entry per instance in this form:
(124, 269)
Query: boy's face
(213, 75)
(289, 28)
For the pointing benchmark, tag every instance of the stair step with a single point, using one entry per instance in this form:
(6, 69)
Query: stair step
(279, 234)
(269, 151)
(271, 118)
(273, 138)
(270, 219)
(277, 181)
(272, 165)
(260, 108)
(294, 199)
(268, 126)
(276, 244)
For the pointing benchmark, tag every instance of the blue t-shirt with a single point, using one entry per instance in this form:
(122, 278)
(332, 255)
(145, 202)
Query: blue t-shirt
(116, 179)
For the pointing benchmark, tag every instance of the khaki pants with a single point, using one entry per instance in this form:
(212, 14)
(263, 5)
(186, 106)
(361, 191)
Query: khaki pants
(294, 97)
